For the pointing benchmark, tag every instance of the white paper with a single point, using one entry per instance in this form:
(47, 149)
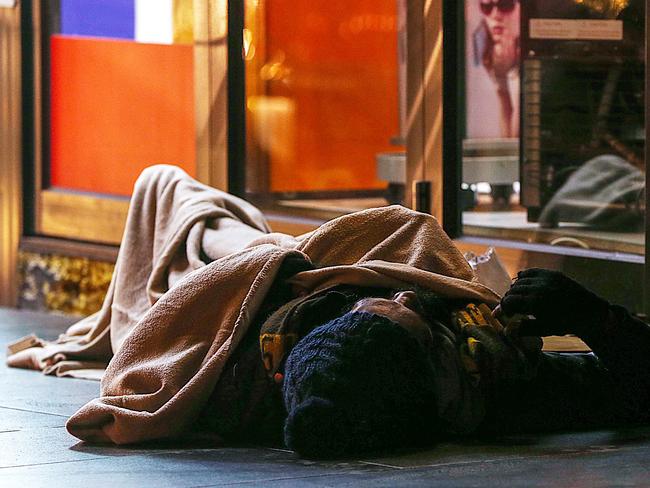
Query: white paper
(154, 21)
(602, 30)
(7, 3)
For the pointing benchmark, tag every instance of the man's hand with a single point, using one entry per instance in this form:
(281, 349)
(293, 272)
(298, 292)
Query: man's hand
(501, 360)
(558, 304)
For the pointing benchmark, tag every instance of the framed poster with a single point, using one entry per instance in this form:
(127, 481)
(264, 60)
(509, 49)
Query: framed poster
(492, 53)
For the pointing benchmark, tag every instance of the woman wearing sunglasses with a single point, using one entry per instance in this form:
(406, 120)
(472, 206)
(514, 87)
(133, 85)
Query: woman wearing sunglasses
(496, 50)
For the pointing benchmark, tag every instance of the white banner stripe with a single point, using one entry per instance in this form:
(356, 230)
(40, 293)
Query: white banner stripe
(154, 21)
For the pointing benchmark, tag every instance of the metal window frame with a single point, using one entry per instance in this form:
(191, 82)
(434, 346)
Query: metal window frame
(73, 215)
(587, 266)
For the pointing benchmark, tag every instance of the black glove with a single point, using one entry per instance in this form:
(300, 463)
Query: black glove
(558, 304)
(503, 361)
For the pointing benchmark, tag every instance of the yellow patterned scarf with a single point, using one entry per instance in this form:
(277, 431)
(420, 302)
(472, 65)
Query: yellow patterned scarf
(474, 316)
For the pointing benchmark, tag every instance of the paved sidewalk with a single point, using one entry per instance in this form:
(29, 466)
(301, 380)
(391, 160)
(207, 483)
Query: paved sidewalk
(36, 450)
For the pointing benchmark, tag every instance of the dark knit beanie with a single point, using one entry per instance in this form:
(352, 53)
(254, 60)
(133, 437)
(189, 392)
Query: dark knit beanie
(358, 384)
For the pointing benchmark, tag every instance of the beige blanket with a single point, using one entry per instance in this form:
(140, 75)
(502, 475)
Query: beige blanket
(170, 321)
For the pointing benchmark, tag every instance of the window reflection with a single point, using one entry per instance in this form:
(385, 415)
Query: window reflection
(576, 174)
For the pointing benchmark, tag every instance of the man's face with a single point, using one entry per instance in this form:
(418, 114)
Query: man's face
(403, 309)
(501, 17)
(422, 313)
(459, 402)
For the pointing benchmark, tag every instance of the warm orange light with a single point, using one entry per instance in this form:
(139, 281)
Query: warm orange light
(116, 108)
(326, 87)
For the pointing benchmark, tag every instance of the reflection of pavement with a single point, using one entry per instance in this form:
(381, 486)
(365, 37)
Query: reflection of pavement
(494, 161)
(514, 226)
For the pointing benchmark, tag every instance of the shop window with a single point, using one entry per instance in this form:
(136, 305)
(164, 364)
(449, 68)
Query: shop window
(323, 103)
(120, 91)
(553, 136)
(111, 87)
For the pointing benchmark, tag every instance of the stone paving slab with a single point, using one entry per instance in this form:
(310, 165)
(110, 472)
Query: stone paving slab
(173, 468)
(12, 420)
(36, 450)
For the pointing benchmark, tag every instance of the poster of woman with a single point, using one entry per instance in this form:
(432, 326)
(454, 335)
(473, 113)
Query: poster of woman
(492, 68)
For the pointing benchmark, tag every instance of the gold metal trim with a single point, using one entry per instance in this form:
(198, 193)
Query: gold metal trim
(83, 217)
(10, 152)
(424, 99)
(211, 91)
(433, 114)
(73, 216)
(37, 164)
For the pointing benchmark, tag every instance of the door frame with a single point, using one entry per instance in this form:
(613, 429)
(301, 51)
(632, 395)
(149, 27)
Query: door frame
(73, 215)
(10, 151)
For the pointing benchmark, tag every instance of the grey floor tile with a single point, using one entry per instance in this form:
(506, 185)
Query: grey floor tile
(31, 390)
(176, 468)
(35, 450)
(626, 467)
(516, 447)
(28, 447)
(14, 419)
(17, 323)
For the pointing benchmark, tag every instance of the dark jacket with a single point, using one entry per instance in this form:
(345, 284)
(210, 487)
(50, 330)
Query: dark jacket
(610, 386)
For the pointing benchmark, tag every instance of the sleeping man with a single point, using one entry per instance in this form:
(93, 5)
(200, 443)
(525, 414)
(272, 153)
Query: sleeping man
(368, 334)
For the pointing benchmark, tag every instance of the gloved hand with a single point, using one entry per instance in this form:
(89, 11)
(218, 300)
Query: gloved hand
(502, 360)
(494, 360)
(558, 304)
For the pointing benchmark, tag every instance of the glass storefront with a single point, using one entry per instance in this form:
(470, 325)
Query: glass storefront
(322, 103)
(119, 91)
(554, 127)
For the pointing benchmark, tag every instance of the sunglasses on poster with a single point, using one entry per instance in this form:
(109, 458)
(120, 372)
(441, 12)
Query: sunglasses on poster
(503, 6)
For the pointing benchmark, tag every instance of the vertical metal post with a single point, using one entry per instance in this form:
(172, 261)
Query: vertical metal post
(422, 196)
(646, 287)
(10, 151)
(236, 99)
(453, 15)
